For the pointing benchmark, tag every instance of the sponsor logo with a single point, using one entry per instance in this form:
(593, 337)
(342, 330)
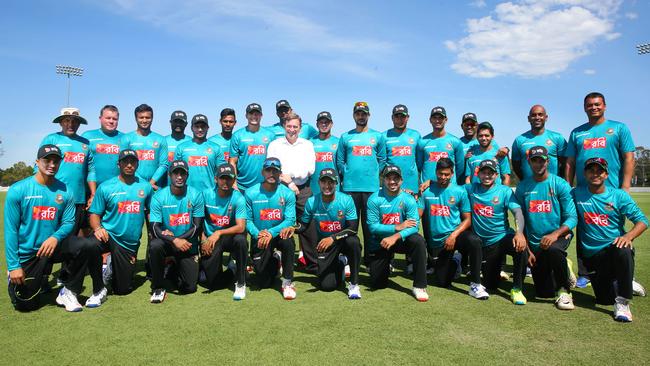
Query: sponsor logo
(256, 150)
(270, 214)
(219, 220)
(592, 218)
(594, 143)
(539, 206)
(401, 151)
(45, 213)
(437, 155)
(128, 207)
(439, 210)
(197, 161)
(483, 210)
(362, 150)
(330, 226)
(179, 219)
(390, 219)
(107, 149)
(322, 157)
(74, 158)
(145, 154)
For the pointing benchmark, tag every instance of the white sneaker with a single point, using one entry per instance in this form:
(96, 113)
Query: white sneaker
(158, 296)
(420, 294)
(240, 292)
(97, 299)
(622, 311)
(477, 291)
(564, 301)
(288, 290)
(68, 299)
(638, 289)
(346, 266)
(354, 292)
(277, 255)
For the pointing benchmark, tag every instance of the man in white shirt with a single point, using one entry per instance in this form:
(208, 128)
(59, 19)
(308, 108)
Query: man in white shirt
(298, 164)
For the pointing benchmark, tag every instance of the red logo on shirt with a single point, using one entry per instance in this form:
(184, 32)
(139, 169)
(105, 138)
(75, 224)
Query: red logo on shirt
(197, 161)
(362, 150)
(145, 154)
(73, 157)
(324, 157)
(46, 213)
(270, 214)
(592, 218)
(219, 220)
(330, 226)
(439, 210)
(128, 207)
(390, 219)
(401, 151)
(179, 219)
(539, 206)
(594, 143)
(437, 155)
(170, 156)
(108, 149)
(256, 150)
(483, 210)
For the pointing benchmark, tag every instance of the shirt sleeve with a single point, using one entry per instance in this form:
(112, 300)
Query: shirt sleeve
(459, 157)
(419, 154)
(67, 220)
(516, 154)
(510, 199)
(569, 215)
(381, 151)
(307, 212)
(411, 209)
(341, 156)
(504, 165)
(198, 205)
(92, 176)
(234, 146)
(11, 227)
(463, 202)
(373, 218)
(626, 144)
(421, 202)
(163, 162)
(250, 222)
(350, 209)
(240, 207)
(570, 147)
(629, 208)
(561, 144)
(155, 211)
(98, 206)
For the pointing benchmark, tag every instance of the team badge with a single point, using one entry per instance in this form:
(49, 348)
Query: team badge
(265, 139)
(449, 147)
(549, 142)
(141, 193)
(334, 146)
(610, 131)
(84, 147)
(372, 141)
(411, 141)
(156, 144)
(339, 214)
(452, 200)
(189, 204)
(59, 199)
(209, 150)
(281, 201)
(495, 200)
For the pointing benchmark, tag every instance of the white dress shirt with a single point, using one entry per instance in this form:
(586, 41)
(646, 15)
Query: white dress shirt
(298, 159)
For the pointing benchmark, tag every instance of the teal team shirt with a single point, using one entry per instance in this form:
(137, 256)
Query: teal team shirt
(34, 212)
(329, 217)
(105, 149)
(430, 149)
(224, 145)
(609, 140)
(222, 212)
(472, 163)
(172, 144)
(386, 212)
(400, 151)
(490, 211)
(121, 207)
(325, 151)
(554, 143)
(176, 213)
(467, 143)
(360, 158)
(272, 211)
(152, 153)
(307, 131)
(202, 160)
(601, 217)
(77, 165)
(443, 208)
(546, 206)
(250, 150)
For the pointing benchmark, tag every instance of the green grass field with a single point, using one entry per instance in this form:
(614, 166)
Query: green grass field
(385, 327)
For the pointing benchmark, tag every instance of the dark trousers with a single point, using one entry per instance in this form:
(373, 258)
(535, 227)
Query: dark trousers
(609, 265)
(330, 269)
(122, 263)
(211, 264)
(469, 245)
(187, 265)
(493, 257)
(75, 252)
(413, 246)
(582, 269)
(307, 239)
(266, 266)
(361, 205)
(550, 272)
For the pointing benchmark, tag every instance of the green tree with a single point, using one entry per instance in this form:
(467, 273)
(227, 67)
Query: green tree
(641, 167)
(17, 172)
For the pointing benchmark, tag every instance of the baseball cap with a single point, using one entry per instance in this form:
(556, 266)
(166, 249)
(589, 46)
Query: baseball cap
(328, 173)
(392, 169)
(200, 118)
(47, 150)
(178, 164)
(439, 110)
(69, 111)
(272, 163)
(361, 106)
(225, 169)
(598, 161)
(282, 104)
(538, 152)
(469, 116)
(253, 107)
(178, 116)
(127, 153)
(400, 109)
(324, 114)
(489, 163)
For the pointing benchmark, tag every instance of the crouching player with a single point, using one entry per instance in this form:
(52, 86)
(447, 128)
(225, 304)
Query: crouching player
(606, 247)
(336, 220)
(225, 224)
(393, 223)
(445, 208)
(550, 216)
(39, 216)
(176, 216)
(490, 203)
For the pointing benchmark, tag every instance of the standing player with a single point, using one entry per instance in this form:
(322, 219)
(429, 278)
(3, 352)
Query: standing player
(538, 135)
(325, 146)
(227, 120)
(104, 143)
(283, 110)
(550, 216)
(225, 226)
(400, 148)
(490, 203)
(202, 156)
(116, 217)
(270, 216)
(606, 247)
(486, 150)
(248, 149)
(393, 221)
(178, 122)
(436, 145)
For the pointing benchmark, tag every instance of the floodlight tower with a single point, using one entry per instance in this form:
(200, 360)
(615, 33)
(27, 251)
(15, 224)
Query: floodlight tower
(643, 48)
(70, 71)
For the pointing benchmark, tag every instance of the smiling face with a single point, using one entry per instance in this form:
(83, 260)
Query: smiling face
(144, 120)
(200, 130)
(48, 165)
(596, 175)
(487, 176)
(227, 123)
(225, 183)
(178, 126)
(128, 166)
(254, 118)
(69, 126)
(444, 176)
(538, 165)
(484, 137)
(438, 121)
(595, 108)
(537, 117)
(469, 127)
(292, 129)
(271, 175)
(178, 178)
(327, 186)
(361, 118)
(393, 182)
(109, 120)
(400, 121)
(324, 126)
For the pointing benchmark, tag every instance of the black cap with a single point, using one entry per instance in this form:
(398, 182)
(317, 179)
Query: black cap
(282, 104)
(272, 163)
(127, 153)
(47, 150)
(70, 112)
(469, 116)
(361, 106)
(200, 118)
(400, 109)
(253, 107)
(489, 163)
(178, 116)
(392, 169)
(225, 169)
(538, 152)
(439, 110)
(328, 173)
(324, 114)
(178, 164)
(598, 161)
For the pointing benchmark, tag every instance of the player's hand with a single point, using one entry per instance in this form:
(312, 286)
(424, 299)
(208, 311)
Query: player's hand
(214, 238)
(101, 234)
(153, 185)
(89, 201)
(324, 244)
(519, 242)
(263, 239)
(502, 153)
(17, 276)
(468, 154)
(548, 240)
(623, 242)
(182, 244)
(406, 224)
(47, 248)
(425, 185)
(531, 259)
(388, 242)
(450, 242)
(287, 232)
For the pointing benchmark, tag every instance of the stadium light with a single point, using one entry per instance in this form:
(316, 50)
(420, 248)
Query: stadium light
(643, 48)
(70, 71)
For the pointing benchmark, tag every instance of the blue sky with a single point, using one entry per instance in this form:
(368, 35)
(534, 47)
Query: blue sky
(494, 58)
